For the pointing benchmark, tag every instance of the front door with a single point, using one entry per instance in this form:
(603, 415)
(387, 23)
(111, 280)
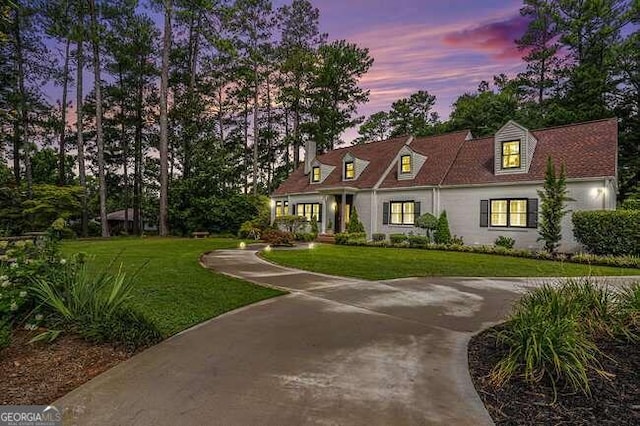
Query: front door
(342, 212)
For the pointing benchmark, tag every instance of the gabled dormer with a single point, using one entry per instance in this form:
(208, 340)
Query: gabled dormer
(409, 163)
(352, 167)
(318, 172)
(514, 146)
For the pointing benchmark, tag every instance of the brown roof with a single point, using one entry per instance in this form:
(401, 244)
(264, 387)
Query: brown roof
(586, 149)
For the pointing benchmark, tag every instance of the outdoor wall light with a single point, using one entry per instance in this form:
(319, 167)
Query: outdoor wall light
(597, 192)
(272, 203)
(334, 205)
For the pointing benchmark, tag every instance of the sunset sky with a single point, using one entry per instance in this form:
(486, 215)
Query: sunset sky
(445, 47)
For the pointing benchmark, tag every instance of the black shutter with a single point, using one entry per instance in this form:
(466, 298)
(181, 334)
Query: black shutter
(385, 213)
(532, 213)
(295, 211)
(484, 213)
(320, 213)
(416, 211)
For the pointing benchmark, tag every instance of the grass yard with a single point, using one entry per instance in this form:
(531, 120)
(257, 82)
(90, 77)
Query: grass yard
(375, 263)
(172, 289)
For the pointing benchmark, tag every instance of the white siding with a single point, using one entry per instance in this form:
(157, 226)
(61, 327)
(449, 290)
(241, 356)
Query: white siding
(424, 196)
(463, 211)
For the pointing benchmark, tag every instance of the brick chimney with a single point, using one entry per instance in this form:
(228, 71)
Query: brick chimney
(310, 151)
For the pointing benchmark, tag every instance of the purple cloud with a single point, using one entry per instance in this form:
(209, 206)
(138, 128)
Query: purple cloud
(495, 38)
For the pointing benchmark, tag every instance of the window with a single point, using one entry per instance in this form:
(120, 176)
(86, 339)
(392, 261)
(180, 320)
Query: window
(349, 170)
(511, 155)
(511, 213)
(402, 213)
(405, 164)
(315, 176)
(282, 208)
(309, 210)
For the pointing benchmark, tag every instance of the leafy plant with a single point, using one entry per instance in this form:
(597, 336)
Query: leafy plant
(354, 226)
(251, 229)
(378, 237)
(428, 222)
(615, 232)
(554, 197)
(291, 223)
(276, 237)
(442, 234)
(97, 307)
(314, 226)
(398, 238)
(506, 242)
(628, 300)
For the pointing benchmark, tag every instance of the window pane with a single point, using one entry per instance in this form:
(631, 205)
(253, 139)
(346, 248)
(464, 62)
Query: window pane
(316, 174)
(396, 213)
(349, 170)
(518, 213)
(510, 154)
(406, 164)
(285, 210)
(498, 212)
(408, 213)
(278, 208)
(316, 211)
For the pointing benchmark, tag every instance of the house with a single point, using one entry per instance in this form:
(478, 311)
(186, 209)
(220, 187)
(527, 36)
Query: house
(120, 222)
(488, 186)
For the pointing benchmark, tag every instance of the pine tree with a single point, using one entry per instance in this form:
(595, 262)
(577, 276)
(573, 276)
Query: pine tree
(553, 198)
(442, 234)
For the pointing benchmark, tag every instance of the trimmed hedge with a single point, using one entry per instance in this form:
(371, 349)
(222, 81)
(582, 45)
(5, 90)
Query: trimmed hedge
(346, 238)
(610, 232)
(379, 237)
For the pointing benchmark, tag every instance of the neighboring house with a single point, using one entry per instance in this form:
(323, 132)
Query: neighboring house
(119, 222)
(488, 186)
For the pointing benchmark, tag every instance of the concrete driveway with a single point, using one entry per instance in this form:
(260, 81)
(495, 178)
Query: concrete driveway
(333, 352)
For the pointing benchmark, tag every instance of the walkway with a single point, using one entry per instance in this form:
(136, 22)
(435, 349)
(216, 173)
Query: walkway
(335, 351)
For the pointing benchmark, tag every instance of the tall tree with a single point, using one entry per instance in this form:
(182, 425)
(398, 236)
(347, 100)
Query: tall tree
(375, 128)
(95, 42)
(541, 47)
(413, 115)
(553, 197)
(79, 36)
(164, 137)
(335, 91)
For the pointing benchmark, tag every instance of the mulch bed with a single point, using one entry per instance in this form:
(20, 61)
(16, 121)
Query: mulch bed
(612, 402)
(38, 374)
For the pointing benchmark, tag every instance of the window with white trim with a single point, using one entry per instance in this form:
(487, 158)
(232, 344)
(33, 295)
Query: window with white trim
(282, 208)
(309, 210)
(402, 213)
(315, 174)
(508, 213)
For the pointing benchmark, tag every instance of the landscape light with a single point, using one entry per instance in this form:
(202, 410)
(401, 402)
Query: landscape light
(242, 245)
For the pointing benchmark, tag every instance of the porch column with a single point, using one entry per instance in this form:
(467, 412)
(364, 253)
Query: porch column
(343, 212)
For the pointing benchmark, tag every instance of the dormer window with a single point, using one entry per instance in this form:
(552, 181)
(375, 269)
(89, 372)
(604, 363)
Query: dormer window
(315, 174)
(349, 170)
(405, 164)
(511, 155)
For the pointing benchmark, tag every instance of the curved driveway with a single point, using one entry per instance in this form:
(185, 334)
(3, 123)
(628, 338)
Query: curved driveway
(334, 351)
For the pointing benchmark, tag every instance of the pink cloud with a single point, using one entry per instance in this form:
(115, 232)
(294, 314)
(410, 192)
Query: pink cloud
(496, 38)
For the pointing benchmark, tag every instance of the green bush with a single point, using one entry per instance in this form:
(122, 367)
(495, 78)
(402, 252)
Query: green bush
(314, 226)
(506, 242)
(378, 237)
(291, 223)
(346, 238)
(630, 204)
(428, 222)
(304, 236)
(418, 241)
(276, 237)
(613, 232)
(456, 241)
(96, 307)
(442, 234)
(398, 238)
(251, 229)
(629, 311)
(354, 226)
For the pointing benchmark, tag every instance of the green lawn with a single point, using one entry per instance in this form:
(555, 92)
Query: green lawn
(375, 263)
(173, 290)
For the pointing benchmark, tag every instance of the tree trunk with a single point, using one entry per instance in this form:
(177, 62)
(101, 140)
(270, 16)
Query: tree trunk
(164, 140)
(18, 125)
(137, 165)
(125, 150)
(80, 144)
(99, 140)
(63, 116)
(246, 145)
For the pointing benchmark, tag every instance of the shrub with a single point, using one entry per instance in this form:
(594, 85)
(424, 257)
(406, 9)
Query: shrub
(346, 238)
(379, 237)
(630, 204)
(456, 241)
(549, 335)
(354, 226)
(97, 307)
(304, 236)
(428, 222)
(608, 232)
(276, 237)
(251, 229)
(418, 241)
(291, 223)
(554, 197)
(629, 311)
(506, 242)
(314, 227)
(398, 238)
(442, 234)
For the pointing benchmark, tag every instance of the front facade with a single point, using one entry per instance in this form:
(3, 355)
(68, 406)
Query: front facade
(488, 186)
